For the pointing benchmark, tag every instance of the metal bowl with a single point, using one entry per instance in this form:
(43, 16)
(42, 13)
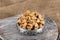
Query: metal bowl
(30, 32)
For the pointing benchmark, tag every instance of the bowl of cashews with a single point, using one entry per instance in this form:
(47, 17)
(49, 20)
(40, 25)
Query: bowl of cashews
(30, 23)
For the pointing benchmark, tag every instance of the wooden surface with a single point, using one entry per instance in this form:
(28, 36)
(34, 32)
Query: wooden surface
(9, 30)
(49, 7)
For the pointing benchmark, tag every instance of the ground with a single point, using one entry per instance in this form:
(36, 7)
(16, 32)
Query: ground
(48, 7)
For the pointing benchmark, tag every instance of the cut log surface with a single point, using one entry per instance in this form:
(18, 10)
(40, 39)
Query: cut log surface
(10, 32)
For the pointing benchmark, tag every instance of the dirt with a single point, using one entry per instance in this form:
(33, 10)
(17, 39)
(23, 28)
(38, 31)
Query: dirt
(47, 7)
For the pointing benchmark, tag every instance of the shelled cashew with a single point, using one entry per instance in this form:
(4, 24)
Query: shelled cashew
(31, 20)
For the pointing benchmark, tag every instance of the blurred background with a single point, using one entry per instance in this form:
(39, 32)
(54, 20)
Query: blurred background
(51, 8)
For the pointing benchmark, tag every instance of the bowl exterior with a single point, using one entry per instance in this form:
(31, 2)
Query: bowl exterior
(30, 32)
